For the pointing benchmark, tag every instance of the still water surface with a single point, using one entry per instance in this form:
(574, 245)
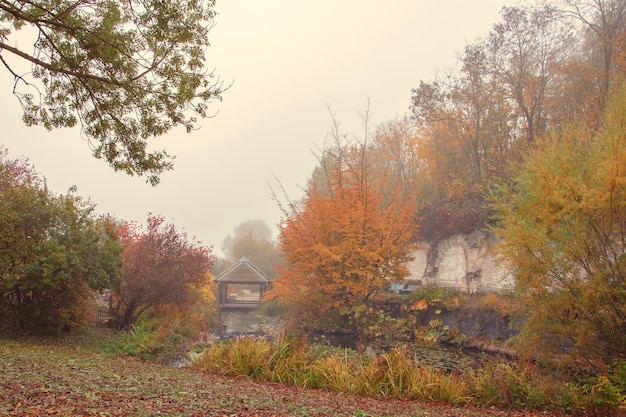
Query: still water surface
(450, 358)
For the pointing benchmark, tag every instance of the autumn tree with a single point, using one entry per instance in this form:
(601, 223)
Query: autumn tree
(253, 239)
(563, 220)
(54, 252)
(474, 121)
(393, 157)
(604, 24)
(126, 71)
(465, 135)
(526, 49)
(161, 266)
(344, 244)
(390, 153)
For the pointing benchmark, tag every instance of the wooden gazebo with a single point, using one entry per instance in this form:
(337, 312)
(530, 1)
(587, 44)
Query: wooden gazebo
(241, 286)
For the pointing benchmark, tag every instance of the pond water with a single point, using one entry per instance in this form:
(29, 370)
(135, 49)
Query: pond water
(449, 358)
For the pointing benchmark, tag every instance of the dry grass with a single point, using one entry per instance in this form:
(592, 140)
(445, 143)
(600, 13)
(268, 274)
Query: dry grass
(398, 374)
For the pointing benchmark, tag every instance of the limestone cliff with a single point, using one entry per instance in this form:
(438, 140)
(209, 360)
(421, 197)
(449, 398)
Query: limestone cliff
(463, 262)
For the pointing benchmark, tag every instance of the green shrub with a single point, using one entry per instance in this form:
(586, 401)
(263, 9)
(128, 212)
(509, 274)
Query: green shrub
(603, 394)
(138, 341)
(163, 335)
(434, 295)
(509, 386)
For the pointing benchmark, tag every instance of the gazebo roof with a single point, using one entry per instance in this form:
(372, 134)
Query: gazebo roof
(243, 271)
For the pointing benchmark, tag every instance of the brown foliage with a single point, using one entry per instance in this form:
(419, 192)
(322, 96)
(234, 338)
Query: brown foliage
(161, 266)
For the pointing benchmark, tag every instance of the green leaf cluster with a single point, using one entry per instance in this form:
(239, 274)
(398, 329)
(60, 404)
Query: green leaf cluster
(126, 71)
(54, 253)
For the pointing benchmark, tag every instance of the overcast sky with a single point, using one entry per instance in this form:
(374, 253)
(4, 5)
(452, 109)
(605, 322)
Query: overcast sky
(289, 61)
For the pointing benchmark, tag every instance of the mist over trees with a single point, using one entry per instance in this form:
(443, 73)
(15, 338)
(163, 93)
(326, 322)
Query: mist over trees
(521, 137)
(539, 69)
(254, 240)
(347, 240)
(256, 230)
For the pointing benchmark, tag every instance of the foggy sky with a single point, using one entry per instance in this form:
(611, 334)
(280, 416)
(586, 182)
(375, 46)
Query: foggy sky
(288, 62)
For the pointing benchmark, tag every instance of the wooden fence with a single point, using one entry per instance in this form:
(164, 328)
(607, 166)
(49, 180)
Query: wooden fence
(101, 314)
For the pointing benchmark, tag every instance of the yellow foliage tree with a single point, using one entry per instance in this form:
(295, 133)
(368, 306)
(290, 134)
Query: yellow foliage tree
(563, 220)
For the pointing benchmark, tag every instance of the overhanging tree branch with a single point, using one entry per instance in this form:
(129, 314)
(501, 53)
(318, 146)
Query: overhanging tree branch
(128, 71)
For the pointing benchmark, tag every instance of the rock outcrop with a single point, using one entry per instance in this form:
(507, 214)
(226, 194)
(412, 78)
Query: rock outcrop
(463, 262)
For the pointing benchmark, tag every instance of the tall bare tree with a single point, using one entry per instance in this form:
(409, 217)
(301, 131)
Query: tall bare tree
(606, 20)
(526, 48)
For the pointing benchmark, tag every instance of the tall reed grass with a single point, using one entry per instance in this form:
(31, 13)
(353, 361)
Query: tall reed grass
(398, 374)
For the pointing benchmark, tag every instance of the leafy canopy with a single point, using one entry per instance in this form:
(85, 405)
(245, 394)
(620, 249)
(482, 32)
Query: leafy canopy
(563, 220)
(125, 70)
(53, 252)
(344, 244)
(161, 266)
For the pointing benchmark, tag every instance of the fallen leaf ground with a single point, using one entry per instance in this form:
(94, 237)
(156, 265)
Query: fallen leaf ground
(42, 378)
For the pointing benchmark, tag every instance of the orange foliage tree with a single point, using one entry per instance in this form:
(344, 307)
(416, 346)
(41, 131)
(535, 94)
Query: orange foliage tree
(343, 245)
